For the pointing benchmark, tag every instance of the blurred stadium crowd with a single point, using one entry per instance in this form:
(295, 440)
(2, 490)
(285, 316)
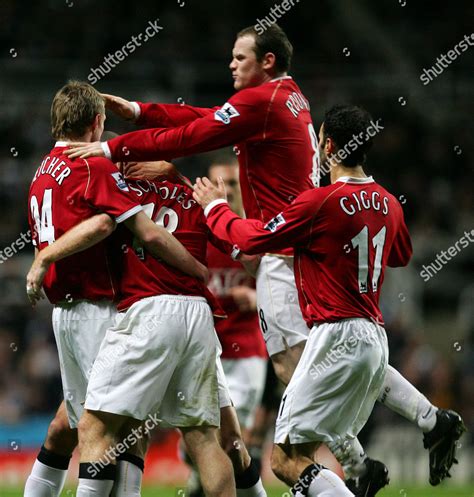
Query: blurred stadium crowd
(424, 154)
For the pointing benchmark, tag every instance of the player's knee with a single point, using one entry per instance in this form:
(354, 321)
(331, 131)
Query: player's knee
(282, 367)
(61, 436)
(234, 447)
(279, 462)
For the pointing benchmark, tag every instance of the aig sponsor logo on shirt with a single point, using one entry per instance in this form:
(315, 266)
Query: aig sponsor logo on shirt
(226, 113)
(273, 224)
(121, 183)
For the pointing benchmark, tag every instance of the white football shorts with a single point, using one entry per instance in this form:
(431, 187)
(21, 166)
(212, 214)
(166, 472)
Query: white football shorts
(223, 386)
(246, 380)
(281, 321)
(79, 329)
(159, 359)
(335, 384)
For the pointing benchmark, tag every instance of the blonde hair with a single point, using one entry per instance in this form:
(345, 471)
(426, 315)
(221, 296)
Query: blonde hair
(74, 109)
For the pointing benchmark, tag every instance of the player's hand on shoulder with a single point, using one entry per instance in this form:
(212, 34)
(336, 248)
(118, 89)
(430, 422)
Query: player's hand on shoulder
(150, 170)
(205, 192)
(119, 106)
(84, 150)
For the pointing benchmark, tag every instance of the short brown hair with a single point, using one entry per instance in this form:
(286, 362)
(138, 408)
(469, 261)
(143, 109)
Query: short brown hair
(273, 40)
(74, 109)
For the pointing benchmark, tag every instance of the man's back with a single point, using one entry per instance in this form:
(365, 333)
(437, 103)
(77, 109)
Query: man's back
(62, 194)
(170, 205)
(358, 230)
(279, 160)
(344, 236)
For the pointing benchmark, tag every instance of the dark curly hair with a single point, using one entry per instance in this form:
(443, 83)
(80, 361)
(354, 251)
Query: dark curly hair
(342, 123)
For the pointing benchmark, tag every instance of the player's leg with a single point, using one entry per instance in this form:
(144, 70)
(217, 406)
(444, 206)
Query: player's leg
(246, 472)
(283, 327)
(294, 465)
(193, 396)
(265, 415)
(335, 384)
(98, 436)
(442, 428)
(246, 391)
(131, 464)
(49, 471)
(215, 468)
(129, 377)
(285, 361)
(78, 330)
(246, 381)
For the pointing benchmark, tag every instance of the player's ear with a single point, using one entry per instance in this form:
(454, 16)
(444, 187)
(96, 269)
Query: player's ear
(268, 61)
(329, 146)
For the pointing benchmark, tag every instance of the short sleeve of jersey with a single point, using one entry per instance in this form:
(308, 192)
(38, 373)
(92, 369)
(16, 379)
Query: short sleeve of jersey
(108, 192)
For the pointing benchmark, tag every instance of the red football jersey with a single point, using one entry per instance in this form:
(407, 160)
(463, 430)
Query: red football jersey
(344, 236)
(271, 126)
(63, 193)
(239, 334)
(141, 275)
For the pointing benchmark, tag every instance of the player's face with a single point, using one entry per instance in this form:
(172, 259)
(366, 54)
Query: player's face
(230, 175)
(246, 70)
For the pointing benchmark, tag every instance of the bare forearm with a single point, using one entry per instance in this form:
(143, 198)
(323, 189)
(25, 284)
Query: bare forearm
(79, 238)
(168, 248)
(165, 246)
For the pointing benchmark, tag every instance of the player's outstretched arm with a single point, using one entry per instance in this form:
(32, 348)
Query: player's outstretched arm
(153, 114)
(79, 238)
(163, 245)
(237, 120)
(292, 227)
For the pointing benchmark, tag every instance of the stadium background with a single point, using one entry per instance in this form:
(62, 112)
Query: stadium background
(366, 52)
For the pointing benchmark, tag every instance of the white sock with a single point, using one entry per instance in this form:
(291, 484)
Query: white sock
(402, 397)
(350, 455)
(94, 488)
(256, 491)
(44, 481)
(328, 484)
(128, 481)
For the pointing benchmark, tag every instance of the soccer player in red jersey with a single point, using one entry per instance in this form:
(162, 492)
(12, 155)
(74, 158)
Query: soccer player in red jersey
(338, 294)
(82, 287)
(268, 120)
(172, 206)
(338, 290)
